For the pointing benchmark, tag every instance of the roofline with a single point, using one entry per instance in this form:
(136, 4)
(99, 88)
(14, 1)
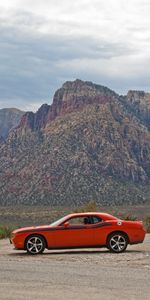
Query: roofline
(89, 213)
(102, 214)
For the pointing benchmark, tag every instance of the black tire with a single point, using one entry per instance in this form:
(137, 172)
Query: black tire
(35, 244)
(117, 242)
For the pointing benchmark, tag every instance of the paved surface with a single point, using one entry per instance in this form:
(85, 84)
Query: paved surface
(86, 274)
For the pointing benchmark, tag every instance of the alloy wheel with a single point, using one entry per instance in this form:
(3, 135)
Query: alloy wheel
(35, 245)
(117, 243)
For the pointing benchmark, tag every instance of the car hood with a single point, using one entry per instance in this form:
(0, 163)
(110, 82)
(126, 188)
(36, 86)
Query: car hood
(30, 228)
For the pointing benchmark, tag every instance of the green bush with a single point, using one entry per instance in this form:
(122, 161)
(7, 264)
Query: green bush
(5, 231)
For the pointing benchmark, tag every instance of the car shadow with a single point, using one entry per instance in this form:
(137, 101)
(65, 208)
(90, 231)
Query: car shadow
(75, 252)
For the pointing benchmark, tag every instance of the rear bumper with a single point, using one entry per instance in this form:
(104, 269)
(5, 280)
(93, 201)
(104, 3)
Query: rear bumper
(138, 238)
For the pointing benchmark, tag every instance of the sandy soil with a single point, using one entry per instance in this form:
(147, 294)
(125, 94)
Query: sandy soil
(78, 274)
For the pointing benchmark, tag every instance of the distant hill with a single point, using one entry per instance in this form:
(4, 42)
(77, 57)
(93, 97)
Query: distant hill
(9, 118)
(89, 144)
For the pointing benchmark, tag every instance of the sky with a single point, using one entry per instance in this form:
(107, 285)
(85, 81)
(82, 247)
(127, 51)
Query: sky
(44, 43)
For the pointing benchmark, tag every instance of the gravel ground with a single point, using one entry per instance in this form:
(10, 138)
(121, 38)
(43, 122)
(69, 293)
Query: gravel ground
(78, 274)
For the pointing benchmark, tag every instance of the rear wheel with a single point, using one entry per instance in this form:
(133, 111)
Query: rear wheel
(35, 244)
(117, 242)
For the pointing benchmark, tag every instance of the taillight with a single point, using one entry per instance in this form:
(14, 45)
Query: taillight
(142, 226)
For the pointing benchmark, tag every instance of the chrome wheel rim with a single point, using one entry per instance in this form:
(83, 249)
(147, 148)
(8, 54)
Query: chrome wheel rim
(117, 243)
(34, 245)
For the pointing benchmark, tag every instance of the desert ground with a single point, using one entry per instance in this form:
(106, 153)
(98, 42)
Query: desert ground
(75, 274)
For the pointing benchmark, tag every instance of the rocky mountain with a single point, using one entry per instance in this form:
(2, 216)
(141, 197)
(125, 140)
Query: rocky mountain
(9, 118)
(71, 97)
(139, 103)
(90, 143)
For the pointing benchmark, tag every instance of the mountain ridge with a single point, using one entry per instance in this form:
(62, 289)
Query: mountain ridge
(9, 118)
(70, 97)
(88, 144)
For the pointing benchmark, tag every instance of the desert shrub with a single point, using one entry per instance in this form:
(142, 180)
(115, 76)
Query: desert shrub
(5, 231)
(88, 207)
(147, 224)
(127, 217)
(130, 217)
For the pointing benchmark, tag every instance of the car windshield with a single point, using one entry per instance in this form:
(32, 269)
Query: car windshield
(56, 223)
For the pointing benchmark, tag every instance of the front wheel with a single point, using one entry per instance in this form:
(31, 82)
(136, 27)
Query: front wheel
(117, 242)
(35, 244)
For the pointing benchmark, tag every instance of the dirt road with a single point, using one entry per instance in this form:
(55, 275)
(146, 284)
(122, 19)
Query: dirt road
(86, 274)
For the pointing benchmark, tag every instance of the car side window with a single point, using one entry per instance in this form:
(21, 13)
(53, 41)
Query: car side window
(95, 219)
(84, 220)
(79, 220)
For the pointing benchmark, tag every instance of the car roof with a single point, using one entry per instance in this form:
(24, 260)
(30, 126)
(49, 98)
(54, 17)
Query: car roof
(106, 216)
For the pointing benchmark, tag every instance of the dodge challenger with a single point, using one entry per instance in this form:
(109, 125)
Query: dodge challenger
(80, 230)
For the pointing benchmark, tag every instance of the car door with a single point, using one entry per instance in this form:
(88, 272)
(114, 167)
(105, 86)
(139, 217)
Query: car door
(74, 233)
(101, 230)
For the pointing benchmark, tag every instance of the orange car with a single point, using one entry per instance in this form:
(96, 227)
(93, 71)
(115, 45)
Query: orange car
(80, 230)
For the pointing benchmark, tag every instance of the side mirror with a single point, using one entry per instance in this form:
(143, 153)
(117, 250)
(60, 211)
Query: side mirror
(66, 224)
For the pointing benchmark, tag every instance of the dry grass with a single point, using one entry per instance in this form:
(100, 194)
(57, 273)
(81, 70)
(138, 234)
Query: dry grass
(5, 231)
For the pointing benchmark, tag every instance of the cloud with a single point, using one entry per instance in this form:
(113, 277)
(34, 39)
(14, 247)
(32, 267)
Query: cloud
(44, 43)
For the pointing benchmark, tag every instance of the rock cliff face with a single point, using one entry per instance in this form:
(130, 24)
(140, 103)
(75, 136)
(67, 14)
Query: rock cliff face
(71, 97)
(139, 103)
(9, 118)
(90, 143)
(34, 121)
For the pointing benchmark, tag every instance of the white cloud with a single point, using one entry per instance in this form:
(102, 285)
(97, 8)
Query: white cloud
(45, 42)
